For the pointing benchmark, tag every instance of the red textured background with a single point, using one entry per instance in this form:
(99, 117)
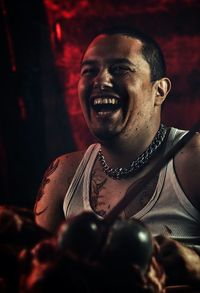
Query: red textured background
(174, 24)
(40, 50)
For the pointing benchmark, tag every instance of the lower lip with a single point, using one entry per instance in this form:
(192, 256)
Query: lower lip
(108, 114)
(105, 113)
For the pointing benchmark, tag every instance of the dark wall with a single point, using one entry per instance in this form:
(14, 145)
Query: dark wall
(34, 127)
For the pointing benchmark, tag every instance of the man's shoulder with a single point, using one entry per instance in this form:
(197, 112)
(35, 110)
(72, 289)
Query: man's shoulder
(190, 153)
(187, 165)
(193, 144)
(68, 163)
(192, 148)
(59, 174)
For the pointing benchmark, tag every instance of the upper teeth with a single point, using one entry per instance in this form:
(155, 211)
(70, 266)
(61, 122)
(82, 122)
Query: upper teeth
(112, 101)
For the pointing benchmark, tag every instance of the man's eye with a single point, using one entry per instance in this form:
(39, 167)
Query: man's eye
(120, 69)
(88, 71)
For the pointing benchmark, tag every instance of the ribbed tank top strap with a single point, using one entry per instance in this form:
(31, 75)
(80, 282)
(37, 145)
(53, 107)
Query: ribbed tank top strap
(77, 177)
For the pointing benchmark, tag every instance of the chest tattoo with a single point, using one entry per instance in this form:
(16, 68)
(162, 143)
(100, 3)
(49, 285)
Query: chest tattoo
(100, 189)
(97, 199)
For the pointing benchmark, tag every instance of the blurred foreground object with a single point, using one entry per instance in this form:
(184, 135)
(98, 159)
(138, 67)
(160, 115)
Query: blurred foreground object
(80, 258)
(17, 231)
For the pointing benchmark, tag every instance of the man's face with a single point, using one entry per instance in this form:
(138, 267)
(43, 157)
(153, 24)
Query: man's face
(115, 90)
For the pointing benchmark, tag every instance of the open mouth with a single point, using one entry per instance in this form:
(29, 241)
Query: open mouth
(105, 104)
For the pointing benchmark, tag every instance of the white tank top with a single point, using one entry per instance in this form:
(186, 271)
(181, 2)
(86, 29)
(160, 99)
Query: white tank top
(168, 212)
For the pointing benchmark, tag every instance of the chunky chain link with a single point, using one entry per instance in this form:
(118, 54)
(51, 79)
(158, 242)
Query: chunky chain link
(139, 163)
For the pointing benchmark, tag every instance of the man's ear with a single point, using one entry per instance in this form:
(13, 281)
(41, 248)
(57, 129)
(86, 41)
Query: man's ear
(162, 88)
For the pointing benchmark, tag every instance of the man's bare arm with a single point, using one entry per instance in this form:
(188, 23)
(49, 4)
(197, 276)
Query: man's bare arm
(57, 178)
(182, 263)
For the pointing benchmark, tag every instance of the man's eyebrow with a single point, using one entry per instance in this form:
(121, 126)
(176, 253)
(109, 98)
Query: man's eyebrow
(121, 60)
(88, 62)
(111, 61)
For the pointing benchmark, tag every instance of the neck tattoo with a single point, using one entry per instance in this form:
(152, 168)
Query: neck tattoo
(136, 165)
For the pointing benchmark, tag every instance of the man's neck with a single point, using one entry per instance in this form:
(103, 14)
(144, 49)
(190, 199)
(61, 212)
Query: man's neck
(121, 151)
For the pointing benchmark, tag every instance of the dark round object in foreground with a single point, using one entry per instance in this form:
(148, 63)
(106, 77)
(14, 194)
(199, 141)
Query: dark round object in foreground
(81, 235)
(129, 242)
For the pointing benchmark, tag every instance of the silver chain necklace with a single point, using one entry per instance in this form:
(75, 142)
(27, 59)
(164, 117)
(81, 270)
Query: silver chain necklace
(139, 163)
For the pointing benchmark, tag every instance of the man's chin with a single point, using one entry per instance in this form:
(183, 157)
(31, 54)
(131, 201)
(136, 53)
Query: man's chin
(105, 137)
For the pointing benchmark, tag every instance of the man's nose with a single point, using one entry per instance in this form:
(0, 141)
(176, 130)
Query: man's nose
(103, 78)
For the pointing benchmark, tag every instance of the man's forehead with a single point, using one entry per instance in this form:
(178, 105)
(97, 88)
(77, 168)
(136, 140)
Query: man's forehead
(116, 37)
(117, 45)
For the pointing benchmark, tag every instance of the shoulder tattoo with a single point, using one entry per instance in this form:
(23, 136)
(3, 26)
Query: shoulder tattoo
(50, 170)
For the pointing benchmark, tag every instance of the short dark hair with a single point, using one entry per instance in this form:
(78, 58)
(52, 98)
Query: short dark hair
(150, 49)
